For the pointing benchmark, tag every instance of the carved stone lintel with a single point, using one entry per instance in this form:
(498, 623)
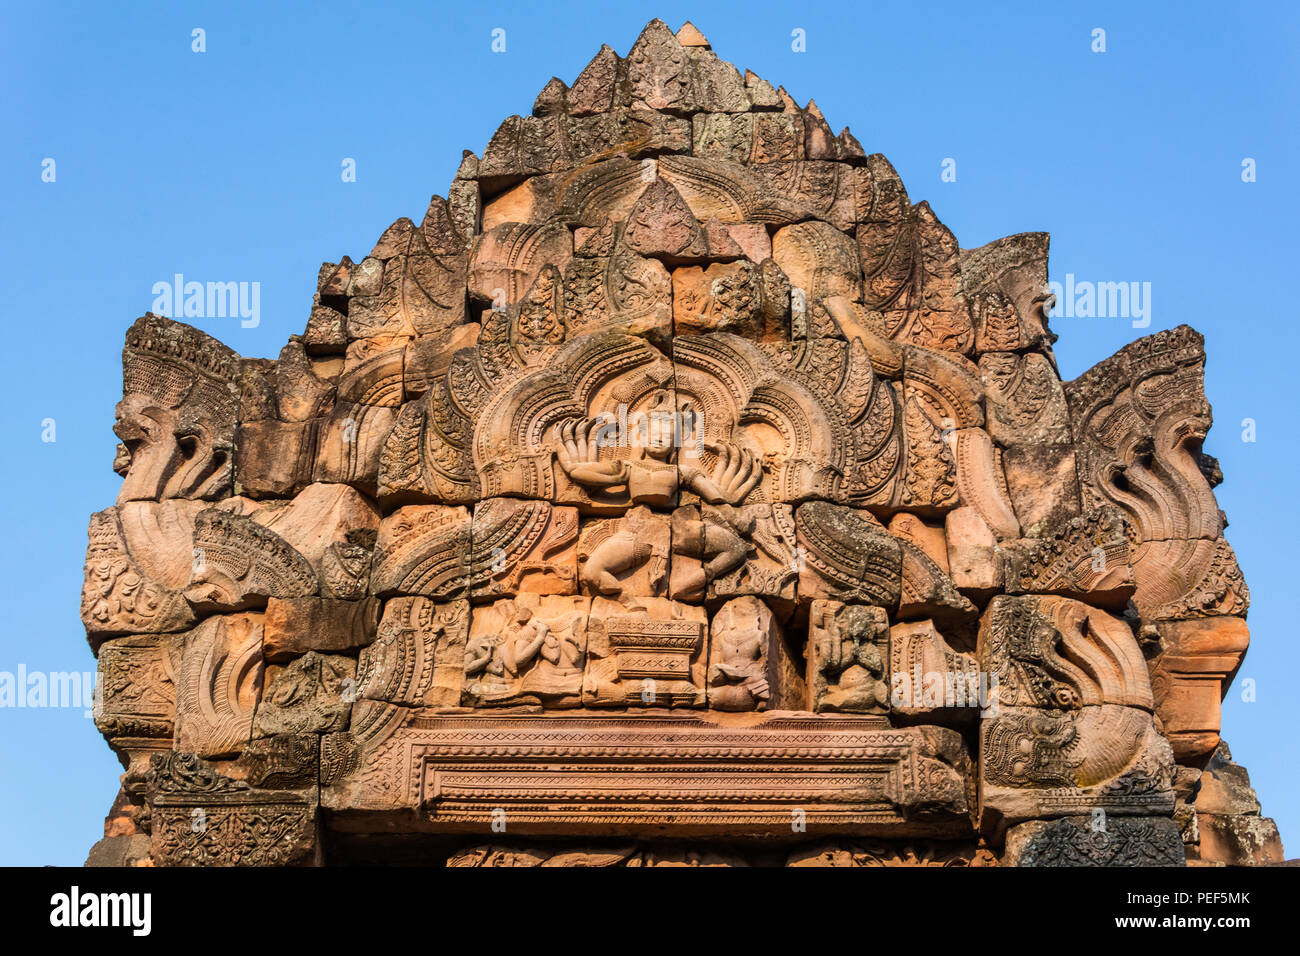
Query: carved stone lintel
(1095, 841)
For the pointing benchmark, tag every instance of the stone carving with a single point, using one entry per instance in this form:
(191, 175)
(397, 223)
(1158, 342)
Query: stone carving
(1074, 714)
(177, 416)
(137, 566)
(625, 556)
(1078, 841)
(1139, 418)
(425, 550)
(848, 658)
(721, 551)
(676, 477)
(1198, 662)
(1057, 653)
(918, 853)
(590, 856)
(1026, 403)
(523, 547)
(136, 694)
(310, 695)
(419, 656)
(847, 555)
(237, 563)
(527, 650)
(648, 653)
(750, 666)
(218, 684)
(1086, 557)
(866, 853)
(930, 679)
(201, 817)
(1005, 282)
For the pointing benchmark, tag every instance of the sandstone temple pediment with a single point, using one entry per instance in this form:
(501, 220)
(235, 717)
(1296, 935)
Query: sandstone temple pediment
(676, 490)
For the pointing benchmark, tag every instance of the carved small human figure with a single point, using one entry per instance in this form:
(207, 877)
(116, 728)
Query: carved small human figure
(499, 659)
(720, 545)
(629, 547)
(853, 665)
(481, 656)
(558, 660)
(520, 646)
(737, 681)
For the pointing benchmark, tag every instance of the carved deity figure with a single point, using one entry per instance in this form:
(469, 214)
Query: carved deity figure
(653, 473)
(635, 541)
(526, 657)
(737, 681)
(720, 542)
(852, 665)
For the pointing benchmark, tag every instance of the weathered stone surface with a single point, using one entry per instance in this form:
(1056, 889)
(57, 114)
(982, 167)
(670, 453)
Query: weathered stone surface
(930, 679)
(1083, 841)
(237, 563)
(1067, 735)
(721, 552)
(1026, 403)
(973, 559)
(724, 297)
(506, 260)
(1138, 420)
(177, 416)
(857, 772)
(524, 547)
(660, 225)
(1043, 484)
(138, 563)
(1032, 643)
(418, 292)
(847, 556)
(419, 655)
(924, 535)
(349, 443)
(319, 518)
(1086, 557)
(423, 550)
(312, 694)
(202, 817)
(218, 684)
(527, 650)
(274, 458)
(919, 853)
(1238, 840)
(1005, 282)
(649, 653)
(136, 694)
(625, 557)
(676, 481)
(294, 626)
(750, 666)
(848, 658)
(1198, 661)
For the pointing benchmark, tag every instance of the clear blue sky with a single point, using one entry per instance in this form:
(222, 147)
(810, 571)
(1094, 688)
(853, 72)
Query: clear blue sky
(226, 166)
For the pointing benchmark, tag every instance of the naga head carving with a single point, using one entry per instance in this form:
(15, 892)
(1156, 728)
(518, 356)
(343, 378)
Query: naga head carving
(176, 419)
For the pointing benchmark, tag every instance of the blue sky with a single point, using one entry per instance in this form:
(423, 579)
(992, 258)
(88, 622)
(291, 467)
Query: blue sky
(225, 165)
